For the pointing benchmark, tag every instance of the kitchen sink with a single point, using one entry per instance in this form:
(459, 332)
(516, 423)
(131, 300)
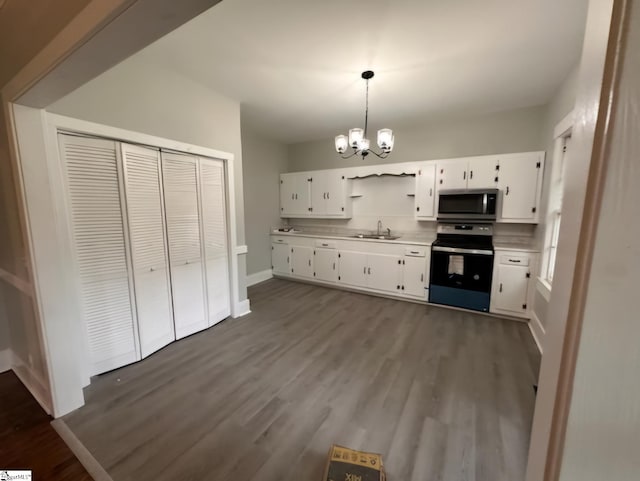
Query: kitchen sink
(376, 236)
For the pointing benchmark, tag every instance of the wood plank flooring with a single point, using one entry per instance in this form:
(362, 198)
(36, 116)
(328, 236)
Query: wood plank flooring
(442, 394)
(27, 440)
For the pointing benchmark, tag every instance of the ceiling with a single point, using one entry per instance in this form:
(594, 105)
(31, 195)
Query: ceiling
(295, 64)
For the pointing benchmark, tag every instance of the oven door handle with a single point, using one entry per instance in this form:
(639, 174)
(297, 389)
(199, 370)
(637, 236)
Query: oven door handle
(458, 250)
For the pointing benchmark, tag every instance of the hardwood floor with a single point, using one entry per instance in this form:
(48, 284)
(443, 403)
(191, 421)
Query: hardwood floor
(442, 394)
(27, 440)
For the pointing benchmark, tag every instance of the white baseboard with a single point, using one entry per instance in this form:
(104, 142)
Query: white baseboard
(33, 383)
(6, 360)
(537, 331)
(256, 278)
(242, 309)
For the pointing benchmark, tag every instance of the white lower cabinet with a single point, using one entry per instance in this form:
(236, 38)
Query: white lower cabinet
(302, 261)
(415, 277)
(280, 258)
(326, 265)
(353, 268)
(512, 282)
(384, 272)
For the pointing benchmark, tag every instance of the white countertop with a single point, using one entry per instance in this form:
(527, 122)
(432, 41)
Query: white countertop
(403, 239)
(514, 247)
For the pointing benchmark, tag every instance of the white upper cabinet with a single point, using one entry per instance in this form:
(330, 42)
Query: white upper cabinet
(426, 191)
(519, 181)
(467, 173)
(295, 195)
(180, 174)
(451, 174)
(328, 193)
(482, 172)
(149, 257)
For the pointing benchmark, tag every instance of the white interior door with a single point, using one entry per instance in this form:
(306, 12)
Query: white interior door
(512, 288)
(98, 229)
(214, 229)
(352, 268)
(180, 174)
(325, 265)
(149, 258)
(482, 173)
(383, 272)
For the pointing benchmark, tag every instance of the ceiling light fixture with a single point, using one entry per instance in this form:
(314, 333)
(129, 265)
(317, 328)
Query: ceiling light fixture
(357, 138)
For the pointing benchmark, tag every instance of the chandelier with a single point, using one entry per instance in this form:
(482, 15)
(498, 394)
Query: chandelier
(357, 138)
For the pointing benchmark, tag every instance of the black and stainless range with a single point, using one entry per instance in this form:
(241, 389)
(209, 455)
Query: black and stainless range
(462, 266)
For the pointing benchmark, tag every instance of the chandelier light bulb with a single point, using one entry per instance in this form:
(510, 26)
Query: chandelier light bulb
(355, 136)
(364, 145)
(385, 140)
(342, 143)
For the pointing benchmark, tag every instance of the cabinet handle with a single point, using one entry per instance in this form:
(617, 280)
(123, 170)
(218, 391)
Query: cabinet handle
(334, 266)
(324, 195)
(150, 269)
(186, 263)
(325, 245)
(415, 252)
(309, 262)
(500, 287)
(292, 196)
(369, 270)
(464, 175)
(517, 261)
(507, 192)
(327, 195)
(471, 174)
(422, 277)
(287, 259)
(431, 192)
(365, 270)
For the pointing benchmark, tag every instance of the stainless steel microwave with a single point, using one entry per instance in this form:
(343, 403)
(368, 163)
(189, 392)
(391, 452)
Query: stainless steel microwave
(469, 204)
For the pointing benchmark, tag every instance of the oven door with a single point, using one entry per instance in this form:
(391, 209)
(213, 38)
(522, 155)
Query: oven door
(455, 204)
(461, 277)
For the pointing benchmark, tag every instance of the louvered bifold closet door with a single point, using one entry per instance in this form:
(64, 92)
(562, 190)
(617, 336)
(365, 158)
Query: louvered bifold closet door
(145, 215)
(180, 173)
(214, 229)
(94, 199)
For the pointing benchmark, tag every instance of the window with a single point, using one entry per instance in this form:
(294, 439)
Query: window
(554, 208)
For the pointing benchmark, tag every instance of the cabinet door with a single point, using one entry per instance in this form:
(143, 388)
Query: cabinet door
(214, 239)
(482, 173)
(425, 191)
(280, 258)
(302, 261)
(148, 247)
(301, 192)
(452, 174)
(325, 264)
(518, 180)
(414, 277)
(352, 268)
(180, 174)
(384, 272)
(318, 192)
(511, 293)
(287, 195)
(98, 229)
(336, 194)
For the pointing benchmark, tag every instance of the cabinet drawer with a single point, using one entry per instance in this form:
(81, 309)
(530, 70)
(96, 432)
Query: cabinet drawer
(326, 244)
(280, 240)
(514, 260)
(415, 251)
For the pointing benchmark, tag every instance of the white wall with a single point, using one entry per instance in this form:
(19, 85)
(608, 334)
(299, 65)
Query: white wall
(603, 429)
(145, 97)
(262, 160)
(495, 133)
